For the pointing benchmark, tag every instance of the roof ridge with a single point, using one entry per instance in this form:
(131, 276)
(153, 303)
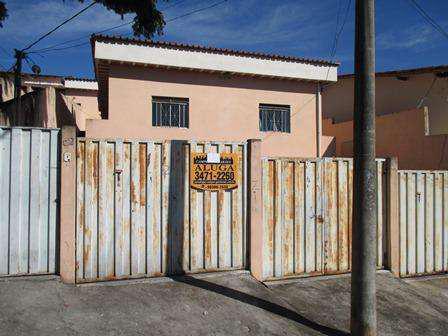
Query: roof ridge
(404, 71)
(82, 79)
(195, 47)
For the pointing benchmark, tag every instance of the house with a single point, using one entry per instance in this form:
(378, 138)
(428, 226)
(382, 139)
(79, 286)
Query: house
(49, 101)
(411, 122)
(162, 91)
(81, 96)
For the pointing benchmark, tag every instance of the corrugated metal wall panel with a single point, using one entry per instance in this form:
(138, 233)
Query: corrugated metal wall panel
(29, 174)
(138, 217)
(308, 216)
(423, 230)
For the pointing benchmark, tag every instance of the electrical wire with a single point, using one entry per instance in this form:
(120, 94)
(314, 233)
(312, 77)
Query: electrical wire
(5, 51)
(337, 25)
(197, 11)
(339, 32)
(332, 55)
(173, 4)
(423, 98)
(80, 38)
(59, 26)
(167, 21)
(98, 32)
(428, 18)
(62, 48)
(309, 100)
(337, 35)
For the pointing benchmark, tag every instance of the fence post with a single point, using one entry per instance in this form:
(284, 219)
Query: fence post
(392, 216)
(67, 260)
(255, 209)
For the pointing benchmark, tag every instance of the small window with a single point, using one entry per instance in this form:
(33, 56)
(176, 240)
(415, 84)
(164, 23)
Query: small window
(275, 118)
(170, 112)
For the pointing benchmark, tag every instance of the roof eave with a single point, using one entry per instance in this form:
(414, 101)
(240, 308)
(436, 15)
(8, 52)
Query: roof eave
(212, 62)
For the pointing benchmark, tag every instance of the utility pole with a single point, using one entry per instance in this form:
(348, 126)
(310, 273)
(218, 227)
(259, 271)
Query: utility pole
(19, 54)
(363, 300)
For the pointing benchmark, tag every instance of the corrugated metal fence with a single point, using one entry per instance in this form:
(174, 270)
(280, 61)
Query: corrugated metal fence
(138, 217)
(308, 216)
(29, 173)
(423, 211)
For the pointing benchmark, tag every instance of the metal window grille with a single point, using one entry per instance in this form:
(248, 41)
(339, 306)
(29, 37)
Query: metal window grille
(170, 112)
(275, 118)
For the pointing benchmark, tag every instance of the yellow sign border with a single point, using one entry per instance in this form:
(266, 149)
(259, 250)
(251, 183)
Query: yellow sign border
(213, 169)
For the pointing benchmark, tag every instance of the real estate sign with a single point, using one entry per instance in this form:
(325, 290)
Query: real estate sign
(214, 171)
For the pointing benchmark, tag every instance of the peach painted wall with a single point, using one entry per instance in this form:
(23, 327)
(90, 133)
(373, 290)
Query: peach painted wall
(221, 108)
(84, 104)
(399, 134)
(392, 95)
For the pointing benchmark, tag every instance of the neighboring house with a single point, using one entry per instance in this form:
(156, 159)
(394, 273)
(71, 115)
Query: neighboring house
(160, 90)
(49, 101)
(81, 95)
(412, 116)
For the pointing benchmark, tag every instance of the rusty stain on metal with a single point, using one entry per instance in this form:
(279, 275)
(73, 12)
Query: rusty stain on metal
(208, 229)
(271, 214)
(299, 217)
(423, 226)
(343, 214)
(307, 203)
(124, 198)
(28, 192)
(143, 165)
(221, 225)
(237, 212)
(288, 214)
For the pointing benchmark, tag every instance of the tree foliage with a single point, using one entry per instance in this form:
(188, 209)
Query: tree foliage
(148, 19)
(3, 13)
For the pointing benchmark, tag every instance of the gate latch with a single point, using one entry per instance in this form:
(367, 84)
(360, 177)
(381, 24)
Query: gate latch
(118, 172)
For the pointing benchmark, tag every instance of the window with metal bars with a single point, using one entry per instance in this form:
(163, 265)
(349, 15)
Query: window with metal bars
(170, 112)
(275, 118)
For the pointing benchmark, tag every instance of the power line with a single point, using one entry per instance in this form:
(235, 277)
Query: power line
(59, 26)
(197, 11)
(428, 18)
(337, 25)
(339, 32)
(423, 98)
(62, 48)
(173, 4)
(332, 54)
(101, 31)
(337, 35)
(127, 23)
(4, 51)
(80, 38)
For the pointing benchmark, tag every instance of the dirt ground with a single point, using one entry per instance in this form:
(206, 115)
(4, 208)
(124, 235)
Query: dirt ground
(216, 304)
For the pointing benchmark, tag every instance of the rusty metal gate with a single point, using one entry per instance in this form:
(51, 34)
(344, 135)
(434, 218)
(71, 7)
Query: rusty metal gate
(29, 176)
(423, 222)
(308, 216)
(137, 216)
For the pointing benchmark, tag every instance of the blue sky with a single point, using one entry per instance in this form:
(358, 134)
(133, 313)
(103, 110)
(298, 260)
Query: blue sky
(295, 27)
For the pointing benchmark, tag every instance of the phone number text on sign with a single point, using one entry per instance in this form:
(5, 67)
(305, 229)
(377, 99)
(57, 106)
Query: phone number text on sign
(214, 171)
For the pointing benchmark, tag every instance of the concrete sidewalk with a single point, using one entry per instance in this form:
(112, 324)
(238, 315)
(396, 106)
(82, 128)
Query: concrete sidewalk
(216, 304)
(405, 307)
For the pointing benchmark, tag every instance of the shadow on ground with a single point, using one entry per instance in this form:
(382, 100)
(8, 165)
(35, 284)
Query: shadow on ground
(217, 304)
(259, 303)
